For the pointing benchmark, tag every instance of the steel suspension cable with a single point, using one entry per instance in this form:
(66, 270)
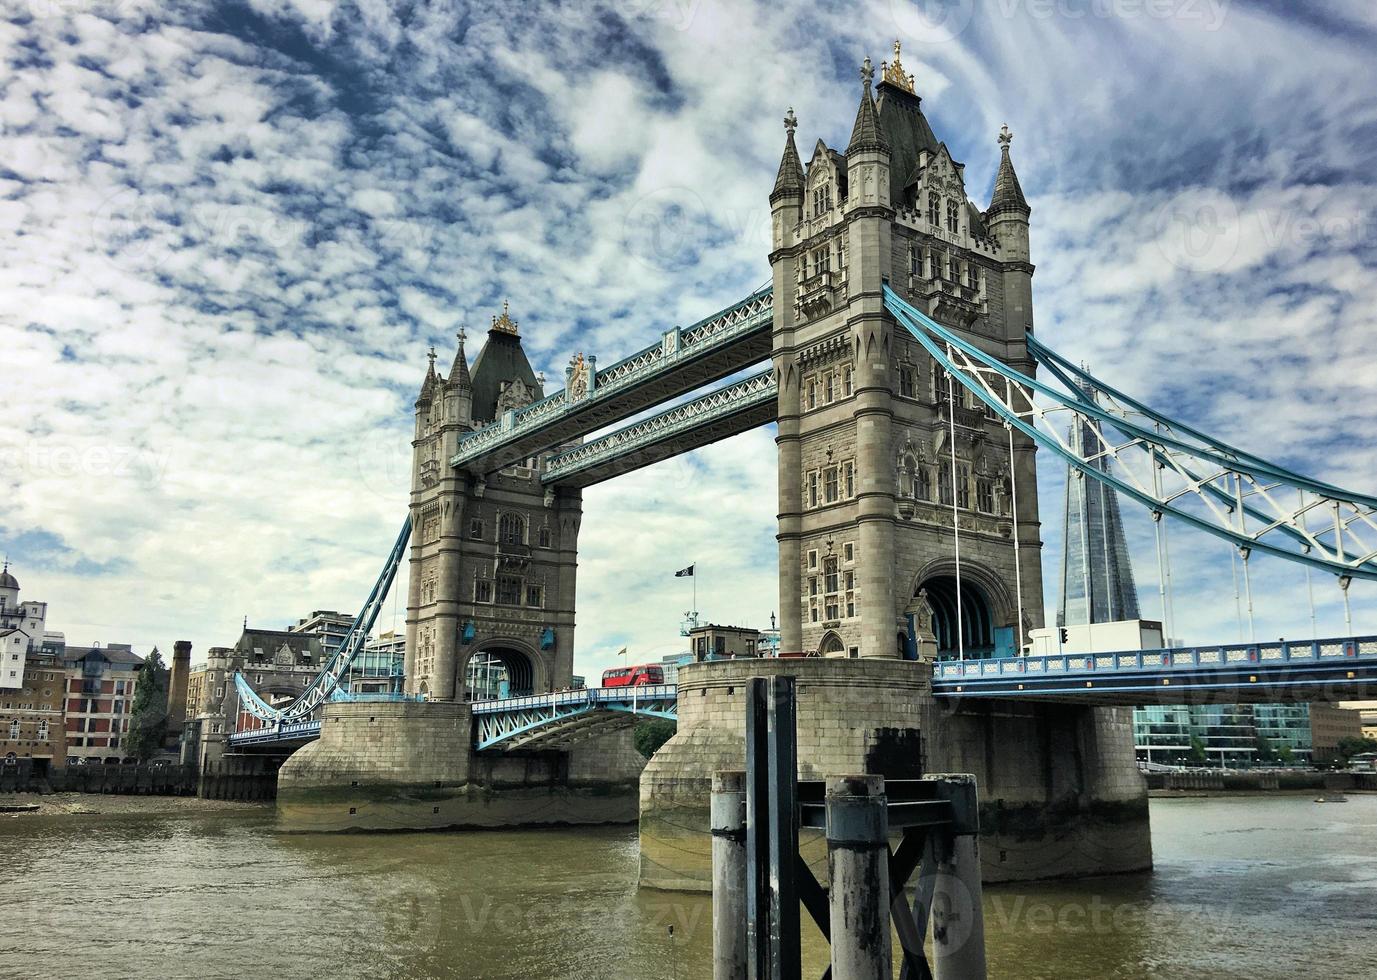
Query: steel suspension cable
(955, 517)
(1013, 508)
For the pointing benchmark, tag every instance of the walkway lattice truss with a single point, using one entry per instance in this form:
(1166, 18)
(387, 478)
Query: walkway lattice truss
(758, 389)
(755, 312)
(1165, 465)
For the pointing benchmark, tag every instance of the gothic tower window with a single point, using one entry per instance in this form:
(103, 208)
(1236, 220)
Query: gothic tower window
(482, 591)
(511, 529)
(850, 582)
(953, 217)
(832, 590)
(829, 388)
(907, 384)
(813, 489)
(545, 536)
(944, 485)
(847, 384)
(963, 486)
(535, 596)
(476, 529)
(830, 484)
(922, 483)
(984, 496)
(934, 215)
(849, 479)
(508, 590)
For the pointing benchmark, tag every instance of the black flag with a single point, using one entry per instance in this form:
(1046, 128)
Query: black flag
(681, 573)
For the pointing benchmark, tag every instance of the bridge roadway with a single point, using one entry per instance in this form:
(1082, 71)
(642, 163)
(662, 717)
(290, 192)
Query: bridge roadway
(1341, 668)
(682, 360)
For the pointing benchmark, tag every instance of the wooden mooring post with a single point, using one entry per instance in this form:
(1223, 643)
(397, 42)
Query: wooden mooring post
(934, 820)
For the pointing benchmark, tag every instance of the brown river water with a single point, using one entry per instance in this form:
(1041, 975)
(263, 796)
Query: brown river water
(1246, 887)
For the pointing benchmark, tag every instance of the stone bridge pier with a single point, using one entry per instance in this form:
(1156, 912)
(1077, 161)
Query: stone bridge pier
(1060, 794)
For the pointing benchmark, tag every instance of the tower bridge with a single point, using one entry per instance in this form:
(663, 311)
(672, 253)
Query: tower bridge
(911, 400)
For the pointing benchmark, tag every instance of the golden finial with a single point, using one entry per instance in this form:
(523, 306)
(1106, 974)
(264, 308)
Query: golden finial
(892, 72)
(504, 323)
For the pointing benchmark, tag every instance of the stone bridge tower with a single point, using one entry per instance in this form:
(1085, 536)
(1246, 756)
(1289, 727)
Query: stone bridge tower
(493, 555)
(867, 549)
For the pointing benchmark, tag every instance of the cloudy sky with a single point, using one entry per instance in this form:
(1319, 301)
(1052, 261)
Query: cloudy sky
(229, 233)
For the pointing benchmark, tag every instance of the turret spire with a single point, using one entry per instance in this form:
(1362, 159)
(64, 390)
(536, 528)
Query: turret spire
(459, 371)
(866, 133)
(1008, 195)
(429, 381)
(789, 180)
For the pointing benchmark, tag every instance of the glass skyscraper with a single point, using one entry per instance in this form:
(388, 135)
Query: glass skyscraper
(1096, 574)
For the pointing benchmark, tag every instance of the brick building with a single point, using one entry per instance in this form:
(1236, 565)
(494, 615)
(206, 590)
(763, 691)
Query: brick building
(31, 716)
(100, 683)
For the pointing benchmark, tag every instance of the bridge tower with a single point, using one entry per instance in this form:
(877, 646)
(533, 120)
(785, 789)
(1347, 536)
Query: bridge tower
(870, 477)
(493, 554)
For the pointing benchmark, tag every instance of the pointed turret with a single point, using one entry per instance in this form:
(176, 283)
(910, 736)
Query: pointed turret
(789, 180)
(1008, 195)
(429, 382)
(866, 133)
(459, 370)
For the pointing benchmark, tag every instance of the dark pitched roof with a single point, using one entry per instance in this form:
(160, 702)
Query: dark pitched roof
(908, 133)
(500, 360)
(1008, 195)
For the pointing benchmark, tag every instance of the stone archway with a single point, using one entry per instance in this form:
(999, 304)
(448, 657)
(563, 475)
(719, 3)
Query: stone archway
(831, 645)
(502, 668)
(982, 609)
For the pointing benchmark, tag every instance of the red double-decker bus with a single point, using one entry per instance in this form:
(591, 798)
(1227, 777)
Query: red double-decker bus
(637, 676)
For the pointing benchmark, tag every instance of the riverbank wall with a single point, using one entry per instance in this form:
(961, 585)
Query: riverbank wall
(1166, 783)
(412, 766)
(134, 780)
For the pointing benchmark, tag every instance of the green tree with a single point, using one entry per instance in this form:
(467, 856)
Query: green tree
(650, 735)
(148, 716)
(1286, 755)
(1263, 750)
(1197, 753)
(1349, 747)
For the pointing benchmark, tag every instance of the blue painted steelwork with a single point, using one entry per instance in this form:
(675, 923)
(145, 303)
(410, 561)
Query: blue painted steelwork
(327, 681)
(551, 718)
(299, 731)
(732, 399)
(1226, 472)
(749, 316)
(1271, 671)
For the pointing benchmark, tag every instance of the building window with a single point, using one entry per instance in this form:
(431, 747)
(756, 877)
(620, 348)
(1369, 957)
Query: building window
(984, 496)
(812, 563)
(849, 478)
(829, 387)
(830, 484)
(219, 693)
(535, 596)
(841, 256)
(831, 586)
(822, 200)
(14, 729)
(849, 552)
(476, 529)
(216, 728)
(545, 536)
(944, 486)
(43, 730)
(963, 486)
(511, 529)
(482, 591)
(813, 489)
(922, 483)
(951, 268)
(953, 217)
(811, 384)
(850, 595)
(846, 382)
(508, 590)
(915, 261)
(907, 387)
(934, 216)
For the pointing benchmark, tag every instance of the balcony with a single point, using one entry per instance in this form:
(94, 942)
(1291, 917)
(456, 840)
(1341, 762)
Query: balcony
(951, 301)
(817, 293)
(513, 554)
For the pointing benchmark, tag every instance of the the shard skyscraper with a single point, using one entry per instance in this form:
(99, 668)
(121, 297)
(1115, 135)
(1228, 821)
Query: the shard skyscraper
(1096, 574)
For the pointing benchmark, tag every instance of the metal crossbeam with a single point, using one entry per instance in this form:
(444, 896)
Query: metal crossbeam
(676, 348)
(324, 684)
(677, 429)
(1251, 672)
(1165, 465)
(548, 720)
